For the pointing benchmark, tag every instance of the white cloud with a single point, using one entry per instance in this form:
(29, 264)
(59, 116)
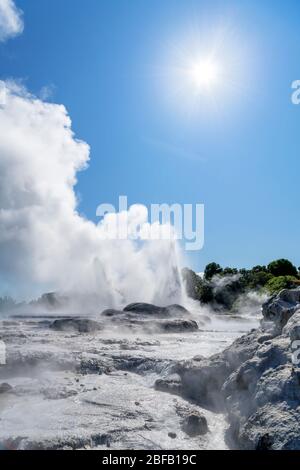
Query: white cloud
(11, 22)
(44, 243)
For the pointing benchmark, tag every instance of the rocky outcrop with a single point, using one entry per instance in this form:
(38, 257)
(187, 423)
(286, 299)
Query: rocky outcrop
(201, 379)
(262, 396)
(153, 319)
(256, 380)
(144, 309)
(279, 308)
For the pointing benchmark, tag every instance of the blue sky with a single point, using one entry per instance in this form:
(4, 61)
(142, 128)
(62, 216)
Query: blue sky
(111, 64)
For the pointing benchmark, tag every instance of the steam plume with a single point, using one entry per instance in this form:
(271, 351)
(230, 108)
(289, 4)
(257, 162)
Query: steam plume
(44, 243)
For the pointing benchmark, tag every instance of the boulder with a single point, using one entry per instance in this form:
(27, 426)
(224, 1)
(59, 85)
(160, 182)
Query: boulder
(194, 424)
(153, 319)
(280, 308)
(80, 325)
(145, 309)
(192, 420)
(5, 388)
(177, 326)
(154, 310)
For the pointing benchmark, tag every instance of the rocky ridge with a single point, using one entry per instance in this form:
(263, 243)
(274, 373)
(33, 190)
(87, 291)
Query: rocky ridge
(256, 380)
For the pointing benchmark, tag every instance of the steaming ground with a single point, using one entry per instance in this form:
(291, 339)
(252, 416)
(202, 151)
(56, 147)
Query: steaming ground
(96, 390)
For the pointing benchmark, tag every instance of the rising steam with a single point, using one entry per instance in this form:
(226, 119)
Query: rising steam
(44, 243)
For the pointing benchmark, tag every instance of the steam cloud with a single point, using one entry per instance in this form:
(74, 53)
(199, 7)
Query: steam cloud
(11, 23)
(44, 243)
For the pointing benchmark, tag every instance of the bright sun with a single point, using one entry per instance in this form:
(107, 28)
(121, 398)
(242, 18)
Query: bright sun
(204, 74)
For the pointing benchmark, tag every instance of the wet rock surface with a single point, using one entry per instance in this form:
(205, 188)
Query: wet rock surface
(75, 385)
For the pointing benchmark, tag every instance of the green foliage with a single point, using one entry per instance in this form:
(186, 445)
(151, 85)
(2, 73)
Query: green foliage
(205, 293)
(282, 267)
(222, 287)
(229, 271)
(276, 284)
(211, 270)
(253, 280)
(259, 269)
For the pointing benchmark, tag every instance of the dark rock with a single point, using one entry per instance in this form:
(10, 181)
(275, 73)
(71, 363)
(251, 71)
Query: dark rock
(178, 326)
(172, 435)
(80, 325)
(5, 388)
(264, 442)
(146, 309)
(154, 310)
(111, 312)
(194, 424)
(152, 319)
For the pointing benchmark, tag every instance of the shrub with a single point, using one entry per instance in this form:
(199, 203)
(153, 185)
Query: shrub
(211, 270)
(282, 267)
(276, 284)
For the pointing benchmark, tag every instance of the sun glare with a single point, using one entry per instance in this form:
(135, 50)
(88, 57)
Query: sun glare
(204, 74)
(203, 65)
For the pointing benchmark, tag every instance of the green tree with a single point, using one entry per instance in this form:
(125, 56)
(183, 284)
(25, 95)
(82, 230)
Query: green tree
(229, 271)
(258, 279)
(205, 293)
(282, 267)
(259, 269)
(211, 270)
